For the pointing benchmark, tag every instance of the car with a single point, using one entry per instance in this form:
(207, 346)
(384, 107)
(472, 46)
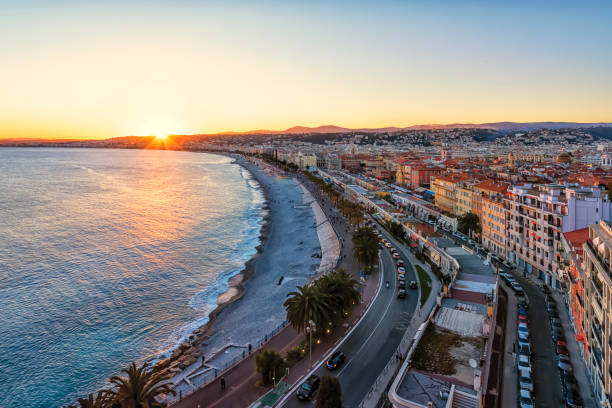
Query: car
(564, 359)
(401, 270)
(401, 293)
(523, 343)
(522, 319)
(523, 304)
(573, 398)
(395, 255)
(517, 288)
(413, 285)
(523, 363)
(525, 382)
(401, 276)
(401, 284)
(562, 365)
(561, 343)
(557, 335)
(525, 349)
(335, 360)
(568, 380)
(309, 388)
(400, 263)
(387, 244)
(553, 314)
(507, 264)
(556, 324)
(562, 350)
(523, 331)
(525, 400)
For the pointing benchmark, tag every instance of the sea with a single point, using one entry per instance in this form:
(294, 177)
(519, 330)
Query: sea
(111, 256)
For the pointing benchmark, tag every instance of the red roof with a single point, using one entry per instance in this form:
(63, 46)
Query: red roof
(577, 238)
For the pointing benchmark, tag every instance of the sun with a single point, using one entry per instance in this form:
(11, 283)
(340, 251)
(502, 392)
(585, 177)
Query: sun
(160, 128)
(161, 137)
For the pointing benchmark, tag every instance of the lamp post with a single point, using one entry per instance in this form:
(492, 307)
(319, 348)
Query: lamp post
(309, 329)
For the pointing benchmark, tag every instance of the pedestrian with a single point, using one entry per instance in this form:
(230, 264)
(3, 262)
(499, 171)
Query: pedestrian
(250, 348)
(222, 382)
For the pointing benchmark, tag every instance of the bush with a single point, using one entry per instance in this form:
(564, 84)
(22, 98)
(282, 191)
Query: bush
(271, 365)
(330, 393)
(295, 355)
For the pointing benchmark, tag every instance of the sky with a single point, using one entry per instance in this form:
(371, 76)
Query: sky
(114, 68)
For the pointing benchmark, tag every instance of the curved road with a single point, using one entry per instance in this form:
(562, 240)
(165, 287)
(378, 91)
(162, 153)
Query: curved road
(374, 341)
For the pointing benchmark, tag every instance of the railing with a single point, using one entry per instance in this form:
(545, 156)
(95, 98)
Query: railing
(200, 378)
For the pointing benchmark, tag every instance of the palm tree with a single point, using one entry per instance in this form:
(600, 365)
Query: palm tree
(340, 288)
(307, 303)
(365, 246)
(141, 387)
(103, 399)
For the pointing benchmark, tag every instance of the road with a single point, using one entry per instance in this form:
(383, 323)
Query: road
(374, 341)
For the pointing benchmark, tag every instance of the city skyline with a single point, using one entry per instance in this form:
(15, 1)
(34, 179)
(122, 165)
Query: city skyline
(98, 71)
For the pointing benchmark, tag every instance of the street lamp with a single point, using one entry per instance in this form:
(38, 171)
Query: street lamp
(309, 329)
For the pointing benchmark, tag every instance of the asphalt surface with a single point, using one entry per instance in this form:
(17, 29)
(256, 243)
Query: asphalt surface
(374, 341)
(546, 381)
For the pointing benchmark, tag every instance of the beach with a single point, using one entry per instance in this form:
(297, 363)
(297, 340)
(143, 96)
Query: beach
(252, 310)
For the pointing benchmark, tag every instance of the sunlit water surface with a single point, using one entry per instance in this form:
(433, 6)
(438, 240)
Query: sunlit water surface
(110, 256)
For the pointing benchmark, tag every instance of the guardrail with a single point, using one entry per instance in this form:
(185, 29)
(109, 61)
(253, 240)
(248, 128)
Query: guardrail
(200, 378)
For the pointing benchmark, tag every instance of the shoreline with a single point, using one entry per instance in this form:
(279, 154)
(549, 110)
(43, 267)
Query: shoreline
(186, 353)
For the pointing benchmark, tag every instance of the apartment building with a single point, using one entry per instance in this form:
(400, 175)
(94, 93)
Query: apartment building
(464, 200)
(445, 191)
(493, 222)
(415, 175)
(598, 308)
(489, 189)
(536, 216)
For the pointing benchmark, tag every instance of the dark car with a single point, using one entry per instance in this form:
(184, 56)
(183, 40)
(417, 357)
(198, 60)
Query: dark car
(413, 285)
(554, 314)
(522, 312)
(562, 350)
(556, 324)
(335, 360)
(401, 284)
(568, 380)
(401, 293)
(308, 388)
(557, 335)
(523, 304)
(573, 399)
(400, 263)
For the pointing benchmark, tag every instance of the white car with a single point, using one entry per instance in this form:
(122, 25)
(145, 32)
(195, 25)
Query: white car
(525, 400)
(525, 381)
(523, 363)
(401, 270)
(523, 331)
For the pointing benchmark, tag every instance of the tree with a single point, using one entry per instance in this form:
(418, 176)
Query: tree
(365, 246)
(469, 222)
(330, 393)
(305, 304)
(609, 190)
(141, 387)
(103, 399)
(397, 230)
(270, 364)
(340, 289)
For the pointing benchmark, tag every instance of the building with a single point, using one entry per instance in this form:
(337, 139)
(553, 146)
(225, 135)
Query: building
(489, 189)
(445, 191)
(464, 200)
(598, 308)
(493, 222)
(536, 216)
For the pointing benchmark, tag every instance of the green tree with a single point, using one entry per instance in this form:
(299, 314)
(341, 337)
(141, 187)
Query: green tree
(469, 222)
(140, 387)
(341, 290)
(307, 303)
(397, 230)
(609, 190)
(270, 365)
(365, 246)
(330, 393)
(103, 399)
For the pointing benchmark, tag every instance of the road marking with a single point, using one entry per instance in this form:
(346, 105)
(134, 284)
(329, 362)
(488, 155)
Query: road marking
(369, 337)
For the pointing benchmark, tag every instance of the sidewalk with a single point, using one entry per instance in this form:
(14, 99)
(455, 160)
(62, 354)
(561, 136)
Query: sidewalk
(241, 388)
(510, 384)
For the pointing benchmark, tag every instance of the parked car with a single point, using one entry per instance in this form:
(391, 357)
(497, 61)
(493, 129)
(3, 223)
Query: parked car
(523, 331)
(387, 244)
(523, 304)
(395, 255)
(401, 276)
(522, 319)
(573, 398)
(564, 359)
(525, 349)
(525, 400)
(568, 380)
(522, 312)
(523, 343)
(525, 382)
(401, 270)
(564, 366)
(523, 363)
(557, 335)
(401, 293)
(562, 350)
(335, 360)
(308, 388)
(413, 285)
(400, 263)
(517, 288)
(401, 284)
(556, 323)
(507, 264)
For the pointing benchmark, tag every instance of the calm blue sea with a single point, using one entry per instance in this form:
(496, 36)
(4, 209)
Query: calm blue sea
(111, 256)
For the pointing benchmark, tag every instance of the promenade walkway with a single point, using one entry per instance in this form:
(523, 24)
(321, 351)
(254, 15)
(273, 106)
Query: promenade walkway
(241, 379)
